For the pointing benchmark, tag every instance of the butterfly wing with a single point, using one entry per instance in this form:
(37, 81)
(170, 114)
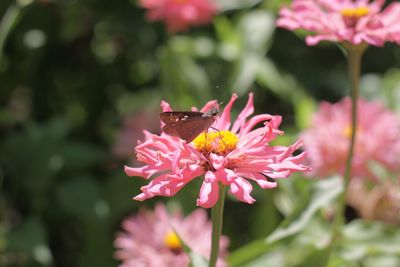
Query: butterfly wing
(175, 116)
(189, 129)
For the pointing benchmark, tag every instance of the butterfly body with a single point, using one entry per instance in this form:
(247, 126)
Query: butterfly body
(187, 125)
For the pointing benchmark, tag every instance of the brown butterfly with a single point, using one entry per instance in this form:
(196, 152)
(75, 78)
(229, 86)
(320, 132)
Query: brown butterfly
(187, 125)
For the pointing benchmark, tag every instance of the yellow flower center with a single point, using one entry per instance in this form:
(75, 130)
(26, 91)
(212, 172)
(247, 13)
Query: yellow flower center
(181, 1)
(348, 129)
(171, 240)
(221, 142)
(356, 12)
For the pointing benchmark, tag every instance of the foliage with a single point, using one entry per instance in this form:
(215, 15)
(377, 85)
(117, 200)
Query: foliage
(71, 72)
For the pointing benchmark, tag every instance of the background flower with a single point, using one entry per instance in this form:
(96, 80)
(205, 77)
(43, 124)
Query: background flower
(379, 202)
(233, 155)
(328, 138)
(179, 15)
(343, 20)
(131, 131)
(149, 240)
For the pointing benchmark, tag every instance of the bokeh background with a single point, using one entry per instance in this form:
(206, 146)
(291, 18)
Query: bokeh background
(80, 79)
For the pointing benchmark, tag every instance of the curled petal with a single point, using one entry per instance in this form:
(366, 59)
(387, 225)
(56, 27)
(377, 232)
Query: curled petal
(210, 177)
(260, 179)
(145, 171)
(176, 161)
(278, 174)
(241, 189)
(289, 151)
(254, 121)
(246, 112)
(209, 194)
(226, 176)
(164, 185)
(209, 105)
(218, 161)
(288, 165)
(224, 121)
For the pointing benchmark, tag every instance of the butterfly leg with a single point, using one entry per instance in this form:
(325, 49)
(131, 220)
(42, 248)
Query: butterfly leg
(220, 136)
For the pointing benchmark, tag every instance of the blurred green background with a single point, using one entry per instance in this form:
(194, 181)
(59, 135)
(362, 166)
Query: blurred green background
(79, 80)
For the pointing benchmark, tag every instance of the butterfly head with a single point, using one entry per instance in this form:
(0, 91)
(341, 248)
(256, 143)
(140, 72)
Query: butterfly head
(213, 111)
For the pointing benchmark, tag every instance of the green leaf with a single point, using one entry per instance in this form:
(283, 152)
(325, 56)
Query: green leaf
(281, 83)
(325, 192)
(318, 258)
(304, 107)
(182, 76)
(370, 238)
(256, 29)
(225, 5)
(248, 253)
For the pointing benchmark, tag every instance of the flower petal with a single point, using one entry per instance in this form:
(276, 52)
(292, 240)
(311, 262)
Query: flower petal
(247, 111)
(164, 185)
(224, 121)
(226, 176)
(260, 179)
(241, 189)
(145, 171)
(209, 194)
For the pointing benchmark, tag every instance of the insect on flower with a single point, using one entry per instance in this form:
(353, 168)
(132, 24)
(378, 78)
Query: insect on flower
(187, 125)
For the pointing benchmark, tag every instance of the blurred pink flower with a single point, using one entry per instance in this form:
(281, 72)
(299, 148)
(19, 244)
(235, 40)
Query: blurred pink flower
(359, 21)
(377, 140)
(131, 131)
(380, 202)
(179, 15)
(233, 155)
(150, 239)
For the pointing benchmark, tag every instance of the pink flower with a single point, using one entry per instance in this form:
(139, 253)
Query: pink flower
(377, 139)
(130, 132)
(151, 239)
(380, 202)
(179, 15)
(359, 21)
(233, 156)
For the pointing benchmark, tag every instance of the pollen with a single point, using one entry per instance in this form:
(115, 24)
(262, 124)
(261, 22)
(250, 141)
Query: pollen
(357, 12)
(171, 240)
(221, 142)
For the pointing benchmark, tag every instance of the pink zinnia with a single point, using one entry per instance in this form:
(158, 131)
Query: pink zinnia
(360, 21)
(179, 15)
(131, 131)
(152, 239)
(380, 202)
(377, 140)
(232, 156)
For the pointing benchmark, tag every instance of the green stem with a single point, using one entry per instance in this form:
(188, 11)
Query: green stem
(354, 57)
(354, 70)
(217, 214)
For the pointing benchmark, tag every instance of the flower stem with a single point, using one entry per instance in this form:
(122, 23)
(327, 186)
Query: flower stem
(354, 57)
(217, 214)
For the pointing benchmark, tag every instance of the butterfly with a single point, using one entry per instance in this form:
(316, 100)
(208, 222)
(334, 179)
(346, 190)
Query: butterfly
(187, 125)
